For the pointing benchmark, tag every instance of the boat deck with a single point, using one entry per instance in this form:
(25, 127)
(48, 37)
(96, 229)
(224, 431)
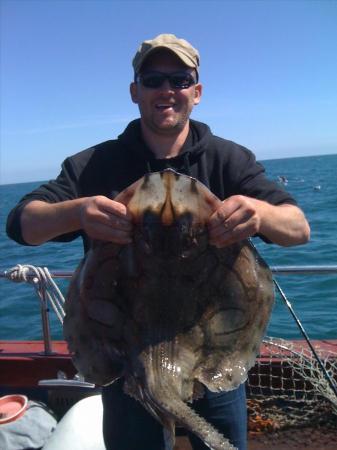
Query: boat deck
(22, 363)
(310, 438)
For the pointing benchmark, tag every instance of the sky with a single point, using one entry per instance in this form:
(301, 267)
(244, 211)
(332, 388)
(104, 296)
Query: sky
(268, 69)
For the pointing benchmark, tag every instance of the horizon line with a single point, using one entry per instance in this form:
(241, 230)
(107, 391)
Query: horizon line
(258, 160)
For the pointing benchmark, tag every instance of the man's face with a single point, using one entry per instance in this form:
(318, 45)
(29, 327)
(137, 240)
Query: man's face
(165, 110)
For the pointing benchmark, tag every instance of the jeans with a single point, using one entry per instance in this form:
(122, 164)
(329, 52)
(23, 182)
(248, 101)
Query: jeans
(227, 411)
(128, 426)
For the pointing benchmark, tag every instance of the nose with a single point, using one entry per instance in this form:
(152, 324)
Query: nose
(166, 86)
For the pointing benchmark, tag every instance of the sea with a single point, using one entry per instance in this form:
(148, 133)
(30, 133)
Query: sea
(311, 180)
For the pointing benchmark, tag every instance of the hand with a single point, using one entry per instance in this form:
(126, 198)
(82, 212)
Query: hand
(237, 218)
(105, 219)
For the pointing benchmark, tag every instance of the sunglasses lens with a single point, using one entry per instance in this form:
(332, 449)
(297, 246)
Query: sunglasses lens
(181, 80)
(152, 80)
(178, 80)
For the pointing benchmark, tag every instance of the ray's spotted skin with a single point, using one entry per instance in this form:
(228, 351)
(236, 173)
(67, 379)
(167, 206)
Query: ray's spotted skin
(169, 311)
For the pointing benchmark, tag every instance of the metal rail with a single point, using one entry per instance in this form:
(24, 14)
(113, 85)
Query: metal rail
(30, 276)
(277, 270)
(303, 270)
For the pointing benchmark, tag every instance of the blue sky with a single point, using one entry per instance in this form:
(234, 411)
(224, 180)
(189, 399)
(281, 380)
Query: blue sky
(269, 70)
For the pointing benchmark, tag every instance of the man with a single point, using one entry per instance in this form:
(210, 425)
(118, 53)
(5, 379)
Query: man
(79, 203)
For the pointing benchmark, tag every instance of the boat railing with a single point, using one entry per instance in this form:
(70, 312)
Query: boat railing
(50, 295)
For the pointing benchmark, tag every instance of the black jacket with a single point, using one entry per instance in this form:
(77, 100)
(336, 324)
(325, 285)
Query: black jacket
(224, 167)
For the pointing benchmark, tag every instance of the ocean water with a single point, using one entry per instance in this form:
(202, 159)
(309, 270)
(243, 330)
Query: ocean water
(311, 180)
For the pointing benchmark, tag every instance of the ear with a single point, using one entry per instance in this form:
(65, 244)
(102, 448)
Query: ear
(134, 92)
(197, 93)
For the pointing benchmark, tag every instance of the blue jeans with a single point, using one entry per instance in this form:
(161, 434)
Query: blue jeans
(227, 411)
(128, 426)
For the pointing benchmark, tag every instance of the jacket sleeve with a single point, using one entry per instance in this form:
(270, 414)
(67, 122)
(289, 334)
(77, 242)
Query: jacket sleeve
(247, 177)
(64, 187)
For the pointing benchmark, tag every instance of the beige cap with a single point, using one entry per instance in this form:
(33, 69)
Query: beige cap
(183, 49)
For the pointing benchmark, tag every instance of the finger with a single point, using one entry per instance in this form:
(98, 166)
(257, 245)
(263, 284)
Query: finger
(221, 215)
(237, 234)
(120, 223)
(217, 219)
(219, 229)
(115, 208)
(242, 215)
(107, 233)
(227, 224)
(114, 224)
(116, 221)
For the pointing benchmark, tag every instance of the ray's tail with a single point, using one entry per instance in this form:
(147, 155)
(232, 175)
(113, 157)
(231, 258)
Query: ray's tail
(171, 409)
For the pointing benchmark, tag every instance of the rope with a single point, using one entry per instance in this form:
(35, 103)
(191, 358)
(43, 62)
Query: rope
(43, 283)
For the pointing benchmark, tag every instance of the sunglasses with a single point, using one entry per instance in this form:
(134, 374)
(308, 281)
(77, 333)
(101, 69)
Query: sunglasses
(177, 80)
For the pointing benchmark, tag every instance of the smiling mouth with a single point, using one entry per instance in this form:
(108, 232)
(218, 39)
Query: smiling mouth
(164, 106)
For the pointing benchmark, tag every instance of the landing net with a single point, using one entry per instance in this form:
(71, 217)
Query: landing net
(287, 387)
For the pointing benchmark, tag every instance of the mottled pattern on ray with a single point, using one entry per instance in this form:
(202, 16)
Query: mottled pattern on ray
(169, 311)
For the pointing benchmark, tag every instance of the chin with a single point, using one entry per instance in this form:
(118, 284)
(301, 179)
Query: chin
(170, 125)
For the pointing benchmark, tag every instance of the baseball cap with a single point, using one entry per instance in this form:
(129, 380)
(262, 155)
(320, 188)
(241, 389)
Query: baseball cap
(180, 47)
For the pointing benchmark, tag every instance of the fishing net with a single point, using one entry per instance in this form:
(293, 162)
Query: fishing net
(287, 387)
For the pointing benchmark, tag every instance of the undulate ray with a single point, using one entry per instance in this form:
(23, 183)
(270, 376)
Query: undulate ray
(169, 312)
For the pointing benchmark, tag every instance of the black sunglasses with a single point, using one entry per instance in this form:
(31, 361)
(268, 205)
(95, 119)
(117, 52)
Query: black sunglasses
(177, 80)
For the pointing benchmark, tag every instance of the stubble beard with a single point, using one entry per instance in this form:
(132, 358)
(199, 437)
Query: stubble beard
(171, 126)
